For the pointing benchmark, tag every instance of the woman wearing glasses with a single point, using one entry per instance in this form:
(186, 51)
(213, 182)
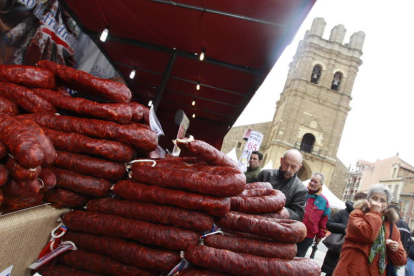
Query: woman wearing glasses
(368, 246)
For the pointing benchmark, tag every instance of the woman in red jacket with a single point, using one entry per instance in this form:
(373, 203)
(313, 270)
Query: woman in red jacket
(368, 245)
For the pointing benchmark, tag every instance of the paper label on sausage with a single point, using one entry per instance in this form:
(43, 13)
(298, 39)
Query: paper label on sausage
(180, 266)
(154, 123)
(62, 248)
(7, 271)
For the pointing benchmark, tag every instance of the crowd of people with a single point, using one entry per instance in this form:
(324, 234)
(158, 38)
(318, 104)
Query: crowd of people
(375, 239)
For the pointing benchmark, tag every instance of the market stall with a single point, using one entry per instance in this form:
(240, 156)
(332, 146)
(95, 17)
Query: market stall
(70, 138)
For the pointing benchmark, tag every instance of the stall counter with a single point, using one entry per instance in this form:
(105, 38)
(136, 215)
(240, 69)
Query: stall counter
(23, 235)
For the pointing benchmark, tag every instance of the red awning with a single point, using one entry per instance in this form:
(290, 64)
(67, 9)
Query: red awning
(162, 40)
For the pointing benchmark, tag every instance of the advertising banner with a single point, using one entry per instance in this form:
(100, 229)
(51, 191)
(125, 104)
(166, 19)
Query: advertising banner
(253, 144)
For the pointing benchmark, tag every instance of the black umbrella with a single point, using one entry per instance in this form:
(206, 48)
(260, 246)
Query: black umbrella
(314, 248)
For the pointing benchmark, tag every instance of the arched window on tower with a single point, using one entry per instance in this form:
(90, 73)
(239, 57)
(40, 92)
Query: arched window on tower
(336, 82)
(307, 143)
(316, 74)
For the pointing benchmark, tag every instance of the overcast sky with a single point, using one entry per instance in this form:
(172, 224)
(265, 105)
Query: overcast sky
(380, 123)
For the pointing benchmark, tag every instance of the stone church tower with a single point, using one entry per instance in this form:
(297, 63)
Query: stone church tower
(313, 107)
(315, 102)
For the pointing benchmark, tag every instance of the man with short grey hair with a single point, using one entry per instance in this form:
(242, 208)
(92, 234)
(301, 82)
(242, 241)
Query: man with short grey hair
(317, 213)
(285, 180)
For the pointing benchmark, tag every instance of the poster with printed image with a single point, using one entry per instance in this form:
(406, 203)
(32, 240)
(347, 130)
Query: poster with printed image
(33, 30)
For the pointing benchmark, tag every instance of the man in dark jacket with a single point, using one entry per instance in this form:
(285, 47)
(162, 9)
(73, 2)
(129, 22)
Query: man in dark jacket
(254, 166)
(285, 180)
(338, 224)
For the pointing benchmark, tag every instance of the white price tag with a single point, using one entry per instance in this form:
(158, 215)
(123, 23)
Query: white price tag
(154, 123)
(7, 271)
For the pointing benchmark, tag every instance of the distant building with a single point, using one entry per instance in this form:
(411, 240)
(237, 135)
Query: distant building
(313, 107)
(394, 173)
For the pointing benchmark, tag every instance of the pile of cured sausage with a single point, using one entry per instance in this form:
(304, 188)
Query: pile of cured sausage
(167, 211)
(71, 158)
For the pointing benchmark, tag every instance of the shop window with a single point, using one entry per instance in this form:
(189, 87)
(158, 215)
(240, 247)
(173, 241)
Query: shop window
(316, 74)
(336, 82)
(395, 195)
(307, 143)
(404, 206)
(394, 173)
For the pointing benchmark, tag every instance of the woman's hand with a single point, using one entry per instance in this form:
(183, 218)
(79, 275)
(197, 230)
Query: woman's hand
(392, 245)
(374, 205)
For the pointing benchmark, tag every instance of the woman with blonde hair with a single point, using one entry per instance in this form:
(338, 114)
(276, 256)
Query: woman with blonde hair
(368, 246)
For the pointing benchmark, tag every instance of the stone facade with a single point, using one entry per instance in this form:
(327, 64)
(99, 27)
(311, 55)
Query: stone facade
(340, 176)
(234, 138)
(313, 107)
(392, 172)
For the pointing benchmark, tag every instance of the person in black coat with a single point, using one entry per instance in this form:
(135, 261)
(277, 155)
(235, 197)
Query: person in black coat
(409, 267)
(338, 224)
(405, 232)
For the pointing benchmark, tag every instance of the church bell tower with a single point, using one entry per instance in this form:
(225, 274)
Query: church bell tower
(313, 107)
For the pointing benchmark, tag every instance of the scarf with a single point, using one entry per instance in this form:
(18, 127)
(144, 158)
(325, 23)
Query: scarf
(379, 247)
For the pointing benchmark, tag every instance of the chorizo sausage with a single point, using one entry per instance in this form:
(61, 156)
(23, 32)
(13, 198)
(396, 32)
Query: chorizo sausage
(21, 143)
(18, 201)
(48, 178)
(4, 175)
(200, 272)
(59, 270)
(3, 150)
(205, 151)
(283, 230)
(137, 111)
(258, 201)
(116, 112)
(22, 189)
(208, 180)
(8, 107)
(125, 251)
(25, 98)
(82, 81)
(159, 214)
(146, 114)
(135, 135)
(152, 194)
(97, 263)
(82, 184)
(47, 147)
(258, 185)
(1, 196)
(232, 233)
(78, 143)
(281, 214)
(252, 247)
(245, 264)
(148, 233)
(28, 76)
(64, 197)
(88, 165)
(20, 173)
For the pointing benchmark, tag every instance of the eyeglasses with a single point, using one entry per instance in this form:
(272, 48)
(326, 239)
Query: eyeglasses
(375, 198)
